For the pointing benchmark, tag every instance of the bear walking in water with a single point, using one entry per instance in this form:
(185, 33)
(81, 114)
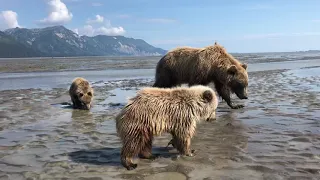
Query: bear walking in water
(81, 93)
(154, 111)
(202, 66)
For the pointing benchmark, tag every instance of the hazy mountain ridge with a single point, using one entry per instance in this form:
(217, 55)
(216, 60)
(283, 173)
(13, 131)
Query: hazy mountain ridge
(60, 41)
(9, 47)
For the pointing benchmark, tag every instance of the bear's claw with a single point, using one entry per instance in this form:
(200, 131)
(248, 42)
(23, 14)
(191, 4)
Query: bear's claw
(191, 154)
(237, 106)
(151, 157)
(154, 157)
(132, 167)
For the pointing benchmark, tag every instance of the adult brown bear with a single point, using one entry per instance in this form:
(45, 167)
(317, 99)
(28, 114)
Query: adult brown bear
(202, 66)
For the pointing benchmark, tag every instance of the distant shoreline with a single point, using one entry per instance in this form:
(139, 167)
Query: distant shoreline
(131, 56)
(98, 63)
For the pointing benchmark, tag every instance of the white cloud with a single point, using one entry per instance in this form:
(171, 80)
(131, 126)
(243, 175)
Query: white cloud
(76, 30)
(160, 20)
(58, 14)
(105, 28)
(89, 30)
(96, 4)
(99, 19)
(8, 19)
(86, 30)
(112, 31)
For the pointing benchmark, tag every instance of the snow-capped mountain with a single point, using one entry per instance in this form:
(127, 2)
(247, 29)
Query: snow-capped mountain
(9, 47)
(60, 41)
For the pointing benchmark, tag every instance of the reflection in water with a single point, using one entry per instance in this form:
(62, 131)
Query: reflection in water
(83, 120)
(119, 97)
(221, 148)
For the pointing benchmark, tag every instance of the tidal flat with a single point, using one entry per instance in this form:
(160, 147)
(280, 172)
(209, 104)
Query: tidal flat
(275, 136)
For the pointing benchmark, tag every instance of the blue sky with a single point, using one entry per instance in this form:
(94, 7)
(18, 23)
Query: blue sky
(240, 26)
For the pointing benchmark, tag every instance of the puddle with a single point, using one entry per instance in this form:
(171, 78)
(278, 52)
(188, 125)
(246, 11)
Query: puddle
(304, 72)
(309, 76)
(119, 96)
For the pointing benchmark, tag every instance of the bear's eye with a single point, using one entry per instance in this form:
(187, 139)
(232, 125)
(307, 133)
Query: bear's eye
(89, 94)
(80, 94)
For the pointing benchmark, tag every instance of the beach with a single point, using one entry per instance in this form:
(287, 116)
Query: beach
(275, 136)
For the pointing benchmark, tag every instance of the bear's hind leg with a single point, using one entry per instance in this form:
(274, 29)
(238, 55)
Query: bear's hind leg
(128, 163)
(146, 150)
(183, 146)
(129, 150)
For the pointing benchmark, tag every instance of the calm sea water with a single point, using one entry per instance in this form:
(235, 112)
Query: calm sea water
(48, 80)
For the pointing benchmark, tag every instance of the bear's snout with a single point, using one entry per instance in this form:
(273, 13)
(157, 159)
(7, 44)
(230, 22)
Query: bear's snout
(241, 95)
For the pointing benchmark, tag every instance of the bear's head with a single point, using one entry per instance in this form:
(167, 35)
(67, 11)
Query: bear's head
(238, 81)
(84, 96)
(211, 103)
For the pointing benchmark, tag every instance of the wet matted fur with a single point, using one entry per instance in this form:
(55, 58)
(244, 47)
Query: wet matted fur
(81, 93)
(202, 66)
(154, 111)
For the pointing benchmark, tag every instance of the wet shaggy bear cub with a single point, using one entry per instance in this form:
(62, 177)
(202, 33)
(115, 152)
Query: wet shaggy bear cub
(154, 111)
(202, 66)
(81, 94)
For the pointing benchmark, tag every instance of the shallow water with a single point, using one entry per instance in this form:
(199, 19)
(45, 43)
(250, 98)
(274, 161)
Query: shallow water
(276, 135)
(49, 80)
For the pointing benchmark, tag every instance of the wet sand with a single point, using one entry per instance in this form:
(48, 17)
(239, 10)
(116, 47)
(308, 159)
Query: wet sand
(276, 136)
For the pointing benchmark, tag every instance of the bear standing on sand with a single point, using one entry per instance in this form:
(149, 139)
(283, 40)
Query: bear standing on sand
(81, 93)
(154, 111)
(202, 66)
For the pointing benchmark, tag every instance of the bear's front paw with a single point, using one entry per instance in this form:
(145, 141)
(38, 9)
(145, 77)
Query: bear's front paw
(237, 106)
(132, 167)
(154, 157)
(174, 158)
(191, 153)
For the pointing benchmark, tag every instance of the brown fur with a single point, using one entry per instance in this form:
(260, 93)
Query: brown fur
(203, 66)
(81, 93)
(154, 111)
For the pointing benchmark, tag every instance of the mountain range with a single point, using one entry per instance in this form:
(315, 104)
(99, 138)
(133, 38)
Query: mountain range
(58, 41)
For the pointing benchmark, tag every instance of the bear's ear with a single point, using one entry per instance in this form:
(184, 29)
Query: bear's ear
(207, 96)
(232, 69)
(245, 66)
